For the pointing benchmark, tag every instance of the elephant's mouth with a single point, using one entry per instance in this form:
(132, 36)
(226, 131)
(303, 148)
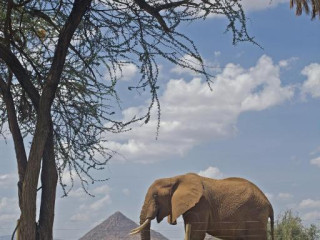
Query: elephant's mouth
(141, 227)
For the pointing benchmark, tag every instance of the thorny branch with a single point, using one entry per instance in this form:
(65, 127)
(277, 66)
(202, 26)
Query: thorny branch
(111, 35)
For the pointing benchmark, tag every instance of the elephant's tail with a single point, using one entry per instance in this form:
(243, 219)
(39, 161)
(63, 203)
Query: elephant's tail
(271, 216)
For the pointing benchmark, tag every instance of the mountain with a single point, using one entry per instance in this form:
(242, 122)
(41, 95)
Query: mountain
(116, 227)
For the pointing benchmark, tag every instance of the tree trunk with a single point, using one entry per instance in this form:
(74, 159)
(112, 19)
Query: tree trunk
(27, 227)
(49, 179)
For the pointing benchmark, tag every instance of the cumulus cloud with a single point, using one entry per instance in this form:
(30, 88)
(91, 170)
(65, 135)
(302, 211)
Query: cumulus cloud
(91, 207)
(99, 204)
(126, 191)
(196, 64)
(191, 113)
(284, 196)
(312, 85)
(125, 72)
(311, 216)
(309, 203)
(9, 211)
(287, 62)
(211, 172)
(316, 151)
(80, 217)
(77, 193)
(315, 161)
(104, 189)
(8, 180)
(258, 5)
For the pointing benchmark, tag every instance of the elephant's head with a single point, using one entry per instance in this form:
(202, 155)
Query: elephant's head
(169, 197)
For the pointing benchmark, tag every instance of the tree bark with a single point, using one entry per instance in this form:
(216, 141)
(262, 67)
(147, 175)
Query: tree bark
(16, 135)
(29, 193)
(49, 179)
(20, 73)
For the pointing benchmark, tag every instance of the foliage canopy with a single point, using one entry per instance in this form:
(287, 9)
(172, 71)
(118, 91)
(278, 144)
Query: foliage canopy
(110, 35)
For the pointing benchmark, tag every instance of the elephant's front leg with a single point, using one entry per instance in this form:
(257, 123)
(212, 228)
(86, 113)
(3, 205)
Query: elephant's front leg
(197, 218)
(194, 233)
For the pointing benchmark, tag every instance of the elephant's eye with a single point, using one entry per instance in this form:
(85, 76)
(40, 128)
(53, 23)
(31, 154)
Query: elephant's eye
(155, 195)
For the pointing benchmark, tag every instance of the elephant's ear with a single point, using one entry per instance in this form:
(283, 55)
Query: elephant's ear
(186, 195)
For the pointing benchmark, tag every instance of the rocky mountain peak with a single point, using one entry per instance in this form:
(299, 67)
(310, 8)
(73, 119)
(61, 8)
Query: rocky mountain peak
(117, 227)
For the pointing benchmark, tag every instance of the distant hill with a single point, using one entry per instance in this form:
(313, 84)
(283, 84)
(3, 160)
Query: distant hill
(117, 227)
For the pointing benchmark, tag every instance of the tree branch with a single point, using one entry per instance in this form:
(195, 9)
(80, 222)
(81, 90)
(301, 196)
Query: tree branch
(16, 133)
(154, 12)
(21, 74)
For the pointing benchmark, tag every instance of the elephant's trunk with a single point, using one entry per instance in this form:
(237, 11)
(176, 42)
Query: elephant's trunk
(145, 222)
(145, 233)
(147, 214)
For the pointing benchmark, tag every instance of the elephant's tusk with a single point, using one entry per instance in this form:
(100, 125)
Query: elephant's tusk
(140, 228)
(188, 232)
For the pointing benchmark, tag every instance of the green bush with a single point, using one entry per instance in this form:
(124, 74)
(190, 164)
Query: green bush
(289, 226)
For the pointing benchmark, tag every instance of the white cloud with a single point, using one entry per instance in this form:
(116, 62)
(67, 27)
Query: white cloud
(126, 191)
(257, 5)
(104, 189)
(309, 203)
(125, 72)
(69, 177)
(211, 172)
(284, 196)
(315, 161)
(91, 207)
(80, 217)
(287, 62)
(8, 180)
(191, 113)
(212, 67)
(312, 85)
(101, 203)
(77, 193)
(316, 151)
(217, 53)
(9, 211)
(188, 60)
(311, 216)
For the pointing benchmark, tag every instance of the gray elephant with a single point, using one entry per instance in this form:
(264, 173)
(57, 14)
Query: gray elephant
(231, 208)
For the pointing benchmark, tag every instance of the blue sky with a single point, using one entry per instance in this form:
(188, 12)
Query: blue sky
(260, 122)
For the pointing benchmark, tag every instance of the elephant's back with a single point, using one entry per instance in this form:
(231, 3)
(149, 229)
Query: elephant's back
(238, 191)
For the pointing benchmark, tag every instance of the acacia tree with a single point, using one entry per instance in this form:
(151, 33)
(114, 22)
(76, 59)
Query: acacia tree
(306, 5)
(54, 56)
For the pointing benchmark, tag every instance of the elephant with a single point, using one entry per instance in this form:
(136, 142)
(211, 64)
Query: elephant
(231, 208)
